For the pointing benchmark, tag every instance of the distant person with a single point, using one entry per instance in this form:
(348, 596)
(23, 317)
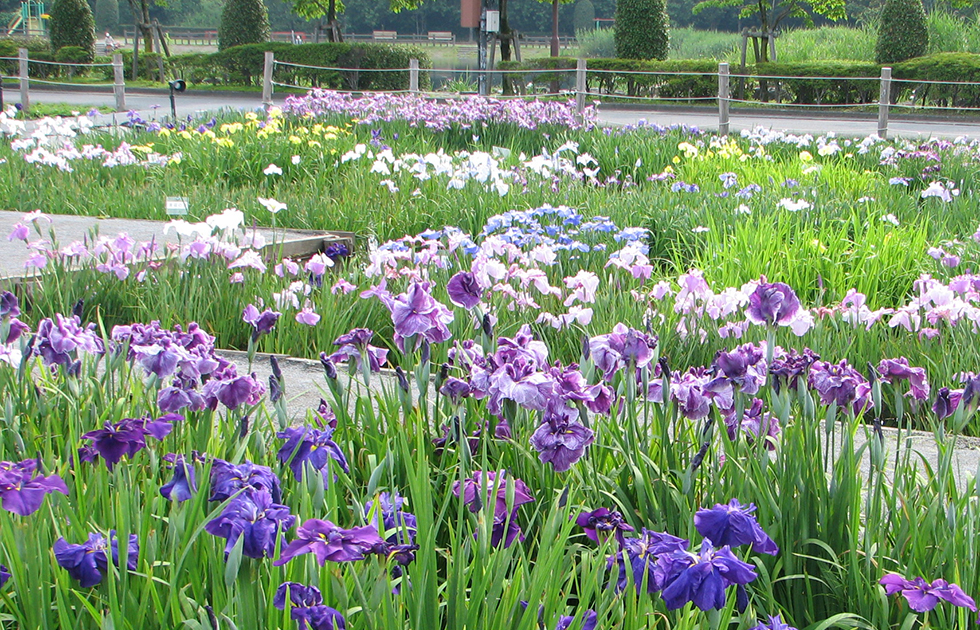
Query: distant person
(110, 44)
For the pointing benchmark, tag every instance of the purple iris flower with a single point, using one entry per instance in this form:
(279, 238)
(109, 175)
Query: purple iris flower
(4, 575)
(744, 368)
(58, 341)
(947, 400)
(88, 562)
(329, 542)
(733, 525)
(403, 525)
(703, 578)
(22, 490)
(754, 421)
(570, 384)
(263, 322)
(840, 383)
(589, 621)
(689, 391)
(355, 346)
(227, 480)
(9, 306)
(455, 389)
(775, 623)
(316, 446)
(521, 382)
(560, 441)
(623, 347)
(923, 596)
(183, 485)
(472, 486)
(787, 370)
(603, 520)
(772, 303)
(254, 517)
(638, 557)
(232, 390)
(126, 437)
(464, 290)
(307, 607)
(893, 370)
(417, 315)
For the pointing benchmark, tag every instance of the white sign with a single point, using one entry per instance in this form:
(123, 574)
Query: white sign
(177, 206)
(493, 21)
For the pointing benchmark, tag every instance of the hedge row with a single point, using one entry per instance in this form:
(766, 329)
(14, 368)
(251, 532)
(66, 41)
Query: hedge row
(853, 83)
(244, 65)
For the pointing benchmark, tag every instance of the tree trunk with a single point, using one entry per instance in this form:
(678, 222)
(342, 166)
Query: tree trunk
(555, 47)
(505, 45)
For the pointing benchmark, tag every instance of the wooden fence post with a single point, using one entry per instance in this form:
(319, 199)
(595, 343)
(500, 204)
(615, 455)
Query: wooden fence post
(580, 86)
(25, 100)
(413, 75)
(119, 83)
(723, 99)
(884, 100)
(270, 62)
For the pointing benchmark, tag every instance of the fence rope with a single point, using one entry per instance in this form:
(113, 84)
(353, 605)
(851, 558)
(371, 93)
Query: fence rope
(776, 104)
(653, 98)
(65, 63)
(299, 65)
(93, 85)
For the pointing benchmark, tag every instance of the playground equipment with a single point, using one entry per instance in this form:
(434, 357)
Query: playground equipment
(30, 21)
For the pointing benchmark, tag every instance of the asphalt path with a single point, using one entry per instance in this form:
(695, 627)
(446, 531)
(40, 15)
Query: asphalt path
(156, 106)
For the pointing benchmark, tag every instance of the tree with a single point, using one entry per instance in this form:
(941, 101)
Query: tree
(106, 15)
(772, 13)
(72, 24)
(584, 19)
(243, 22)
(902, 31)
(641, 29)
(315, 9)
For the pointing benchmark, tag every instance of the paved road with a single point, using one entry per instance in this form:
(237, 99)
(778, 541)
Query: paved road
(157, 107)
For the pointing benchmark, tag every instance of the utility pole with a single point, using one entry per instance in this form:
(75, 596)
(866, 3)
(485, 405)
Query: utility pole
(482, 49)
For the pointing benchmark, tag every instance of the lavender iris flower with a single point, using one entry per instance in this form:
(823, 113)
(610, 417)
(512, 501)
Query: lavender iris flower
(589, 621)
(733, 525)
(772, 303)
(329, 542)
(603, 520)
(9, 305)
(416, 314)
(753, 422)
(254, 517)
(316, 446)
(702, 579)
(775, 623)
(22, 490)
(126, 437)
(232, 390)
(638, 557)
(560, 441)
(689, 391)
(455, 389)
(893, 370)
(88, 562)
(4, 575)
(464, 290)
(744, 368)
(228, 479)
(923, 596)
(299, 595)
(183, 485)
(623, 347)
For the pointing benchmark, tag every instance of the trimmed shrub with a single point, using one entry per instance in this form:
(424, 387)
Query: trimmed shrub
(244, 64)
(106, 16)
(902, 31)
(72, 24)
(584, 17)
(641, 29)
(243, 22)
(823, 91)
(958, 67)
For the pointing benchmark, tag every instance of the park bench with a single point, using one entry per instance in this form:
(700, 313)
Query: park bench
(442, 37)
(389, 36)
